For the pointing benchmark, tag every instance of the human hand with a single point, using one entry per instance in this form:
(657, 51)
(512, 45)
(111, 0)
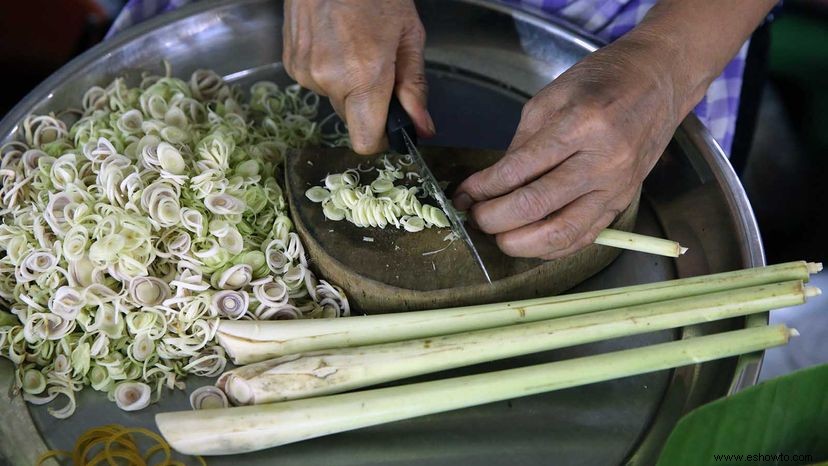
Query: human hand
(357, 52)
(582, 149)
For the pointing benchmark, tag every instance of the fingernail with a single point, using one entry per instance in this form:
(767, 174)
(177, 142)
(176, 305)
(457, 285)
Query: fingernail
(462, 201)
(430, 123)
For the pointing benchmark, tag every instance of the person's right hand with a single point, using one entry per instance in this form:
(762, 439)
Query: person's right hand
(357, 52)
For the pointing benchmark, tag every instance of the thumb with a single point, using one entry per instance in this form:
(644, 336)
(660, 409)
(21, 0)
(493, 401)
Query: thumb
(411, 86)
(366, 109)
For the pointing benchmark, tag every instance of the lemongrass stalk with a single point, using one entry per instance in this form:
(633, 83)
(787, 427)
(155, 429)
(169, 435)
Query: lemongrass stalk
(250, 428)
(335, 371)
(635, 242)
(251, 341)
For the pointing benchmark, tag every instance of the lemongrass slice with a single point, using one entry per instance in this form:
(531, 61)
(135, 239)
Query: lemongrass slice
(641, 243)
(251, 428)
(170, 159)
(248, 341)
(34, 382)
(231, 304)
(317, 194)
(335, 371)
(208, 397)
(149, 291)
(132, 396)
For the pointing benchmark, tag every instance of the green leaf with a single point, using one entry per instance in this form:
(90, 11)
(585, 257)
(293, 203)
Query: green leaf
(787, 415)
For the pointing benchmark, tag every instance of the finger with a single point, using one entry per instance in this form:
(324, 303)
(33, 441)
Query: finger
(338, 108)
(297, 54)
(366, 110)
(534, 201)
(542, 152)
(566, 231)
(287, 50)
(521, 137)
(411, 86)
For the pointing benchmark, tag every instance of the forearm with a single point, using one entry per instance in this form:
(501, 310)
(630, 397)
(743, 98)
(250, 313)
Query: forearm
(693, 40)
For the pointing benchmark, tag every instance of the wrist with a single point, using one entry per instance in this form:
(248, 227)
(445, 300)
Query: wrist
(673, 67)
(695, 40)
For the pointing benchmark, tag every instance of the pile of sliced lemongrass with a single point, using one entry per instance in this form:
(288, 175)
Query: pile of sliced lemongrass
(326, 357)
(380, 203)
(128, 228)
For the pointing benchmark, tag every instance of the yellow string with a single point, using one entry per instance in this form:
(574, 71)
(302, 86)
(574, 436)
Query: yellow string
(118, 447)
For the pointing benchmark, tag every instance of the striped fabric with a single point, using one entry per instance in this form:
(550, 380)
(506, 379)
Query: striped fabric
(607, 19)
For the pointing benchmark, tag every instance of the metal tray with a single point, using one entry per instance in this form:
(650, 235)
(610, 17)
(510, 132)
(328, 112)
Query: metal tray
(484, 61)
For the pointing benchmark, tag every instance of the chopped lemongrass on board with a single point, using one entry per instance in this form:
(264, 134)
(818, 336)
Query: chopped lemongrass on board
(251, 428)
(380, 203)
(247, 341)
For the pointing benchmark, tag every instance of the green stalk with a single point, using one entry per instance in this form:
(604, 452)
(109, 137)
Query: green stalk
(250, 428)
(335, 371)
(252, 341)
(635, 242)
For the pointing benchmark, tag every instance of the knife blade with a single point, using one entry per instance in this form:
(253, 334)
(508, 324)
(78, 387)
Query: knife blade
(401, 138)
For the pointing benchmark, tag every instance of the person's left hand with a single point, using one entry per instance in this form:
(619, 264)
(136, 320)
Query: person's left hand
(582, 149)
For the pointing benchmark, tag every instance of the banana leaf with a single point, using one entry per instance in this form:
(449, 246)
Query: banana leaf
(782, 421)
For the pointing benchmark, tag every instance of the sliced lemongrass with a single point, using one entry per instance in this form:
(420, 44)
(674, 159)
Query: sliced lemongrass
(641, 243)
(34, 382)
(231, 304)
(248, 341)
(132, 396)
(149, 291)
(208, 397)
(252, 428)
(317, 194)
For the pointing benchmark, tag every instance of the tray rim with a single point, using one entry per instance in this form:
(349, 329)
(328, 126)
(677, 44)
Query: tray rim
(691, 130)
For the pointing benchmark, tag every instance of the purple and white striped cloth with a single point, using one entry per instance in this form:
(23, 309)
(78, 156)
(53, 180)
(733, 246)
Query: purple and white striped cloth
(607, 19)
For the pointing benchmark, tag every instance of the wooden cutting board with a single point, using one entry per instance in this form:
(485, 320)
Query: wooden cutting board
(391, 270)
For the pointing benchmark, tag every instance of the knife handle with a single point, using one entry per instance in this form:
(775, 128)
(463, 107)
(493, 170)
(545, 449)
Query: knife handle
(398, 121)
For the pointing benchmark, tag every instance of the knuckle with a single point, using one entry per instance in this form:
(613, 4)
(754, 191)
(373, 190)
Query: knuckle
(563, 235)
(418, 33)
(366, 67)
(590, 235)
(361, 88)
(507, 174)
(301, 76)
(528, 112)
(320, 74)
(531, 203)
(416, 81)
(478, 188)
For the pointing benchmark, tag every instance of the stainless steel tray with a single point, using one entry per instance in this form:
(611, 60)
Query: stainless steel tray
(484, 61)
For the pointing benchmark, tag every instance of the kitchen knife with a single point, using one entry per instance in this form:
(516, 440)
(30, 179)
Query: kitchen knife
(403, 139)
